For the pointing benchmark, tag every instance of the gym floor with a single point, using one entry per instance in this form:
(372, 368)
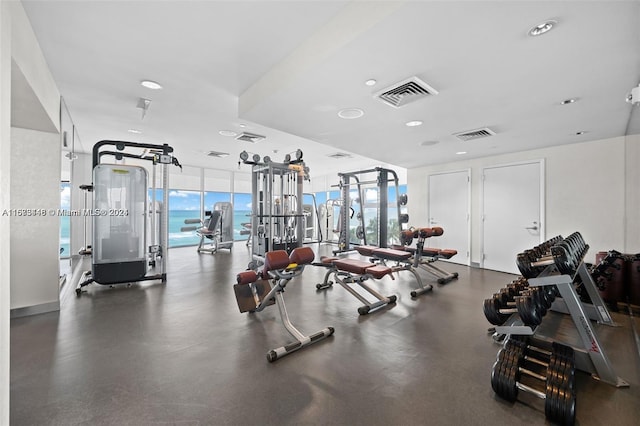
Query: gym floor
(182, 353)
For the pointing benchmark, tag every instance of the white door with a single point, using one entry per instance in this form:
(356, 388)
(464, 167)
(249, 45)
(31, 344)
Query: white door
(513, 212)
(449, 195)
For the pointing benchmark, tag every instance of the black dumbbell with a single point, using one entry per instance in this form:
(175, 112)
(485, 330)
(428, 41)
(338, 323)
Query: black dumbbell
(530, 304)
(559, 396)
(531, 262)
(501, 306)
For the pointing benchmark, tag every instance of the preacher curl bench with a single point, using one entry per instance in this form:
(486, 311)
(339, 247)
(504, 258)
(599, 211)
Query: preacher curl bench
(254, 293)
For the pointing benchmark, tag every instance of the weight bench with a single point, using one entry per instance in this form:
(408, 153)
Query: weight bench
(425, 257)
(353, 271)
(404, 262)
(254, 293)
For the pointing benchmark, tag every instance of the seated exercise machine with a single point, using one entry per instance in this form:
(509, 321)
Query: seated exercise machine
(254, 293)
(404, 261)
(425, 257)
(217, 230)
(348, 272)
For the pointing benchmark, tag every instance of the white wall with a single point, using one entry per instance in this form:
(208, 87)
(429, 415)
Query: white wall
(632, 198)
(585, 192)
(35, 184)
(5, 192)
(26, 52)
(18, 43)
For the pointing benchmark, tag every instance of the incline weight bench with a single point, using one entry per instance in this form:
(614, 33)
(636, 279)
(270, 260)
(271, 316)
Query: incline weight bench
(403, 262)
(353, 271)
(254, 293)
(425, 257)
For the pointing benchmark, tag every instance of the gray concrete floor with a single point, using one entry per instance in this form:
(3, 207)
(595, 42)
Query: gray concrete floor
(181, 353)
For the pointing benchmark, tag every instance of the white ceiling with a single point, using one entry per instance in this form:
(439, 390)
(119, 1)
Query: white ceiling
(284, 69)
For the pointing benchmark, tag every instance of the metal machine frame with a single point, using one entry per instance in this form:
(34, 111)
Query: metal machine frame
(590, 355)
(107, 273)
(277, 208)
(382, 180)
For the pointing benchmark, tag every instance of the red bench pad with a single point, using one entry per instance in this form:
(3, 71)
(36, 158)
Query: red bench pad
(433, 252)
(247, 277)
(391, 254)
(366, 250)
(378, 271)
(328, 260)
(302, 255)
(448, 253)
(361, 267)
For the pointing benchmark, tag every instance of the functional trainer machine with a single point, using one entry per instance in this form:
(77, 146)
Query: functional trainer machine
(120, 251)
(277, 210)
(254, 293)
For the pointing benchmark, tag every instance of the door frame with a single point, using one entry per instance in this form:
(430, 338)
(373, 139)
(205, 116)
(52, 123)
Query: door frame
(542, 183)
(468, 172)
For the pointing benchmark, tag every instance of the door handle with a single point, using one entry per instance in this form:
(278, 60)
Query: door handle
(534, 227)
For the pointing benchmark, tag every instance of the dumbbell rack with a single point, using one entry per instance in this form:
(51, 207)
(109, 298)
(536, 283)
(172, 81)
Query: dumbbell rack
(591, 356)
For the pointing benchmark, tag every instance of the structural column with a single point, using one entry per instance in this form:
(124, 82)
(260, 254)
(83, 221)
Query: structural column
(5, 193)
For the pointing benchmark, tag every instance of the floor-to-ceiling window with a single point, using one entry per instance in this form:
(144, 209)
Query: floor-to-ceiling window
(183, 205)
(65, 220)
(241, 216)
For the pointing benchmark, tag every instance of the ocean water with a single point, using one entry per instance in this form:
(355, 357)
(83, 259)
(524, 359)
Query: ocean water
(177, 238)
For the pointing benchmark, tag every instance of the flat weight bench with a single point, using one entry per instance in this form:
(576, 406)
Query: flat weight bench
(404, 262)
(352, 271)
(425, 257)
(254, 293)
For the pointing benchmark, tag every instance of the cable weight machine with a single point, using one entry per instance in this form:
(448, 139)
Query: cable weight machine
(123, 246)
(277, 219)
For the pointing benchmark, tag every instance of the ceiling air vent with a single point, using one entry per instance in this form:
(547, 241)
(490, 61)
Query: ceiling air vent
(404, 92)
(250, 137)
(339, 155)
(474, 134)
(217, 154)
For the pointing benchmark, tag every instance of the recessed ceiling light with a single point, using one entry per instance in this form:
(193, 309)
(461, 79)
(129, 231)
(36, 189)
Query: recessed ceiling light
(151, 84)
(228, 133)
(568, 101)
(242, 125)
(370, 82)
(135, 131)
(413, 123)
(461, 152)
(350, 113)
(428, 143)
(542, 28)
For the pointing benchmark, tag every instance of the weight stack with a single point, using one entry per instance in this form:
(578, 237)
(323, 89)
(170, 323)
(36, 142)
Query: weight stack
(615, 287)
